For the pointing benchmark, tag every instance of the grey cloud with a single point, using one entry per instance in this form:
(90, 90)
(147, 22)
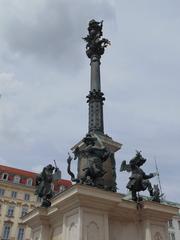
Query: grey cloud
(43, 110)
(51, 31)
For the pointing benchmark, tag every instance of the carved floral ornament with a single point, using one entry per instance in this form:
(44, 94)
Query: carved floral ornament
(158, 236)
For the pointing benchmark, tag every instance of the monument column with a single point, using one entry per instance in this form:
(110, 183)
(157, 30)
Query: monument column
(95, 73)
(86, 211)
(95, 153)
(94, 49)
(95, 98)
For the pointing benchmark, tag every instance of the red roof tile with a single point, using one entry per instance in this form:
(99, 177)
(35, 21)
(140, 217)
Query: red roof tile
(17, 171)
(28, 174)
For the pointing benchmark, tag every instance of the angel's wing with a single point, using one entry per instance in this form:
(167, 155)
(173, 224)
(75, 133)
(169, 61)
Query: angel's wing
(125, 167)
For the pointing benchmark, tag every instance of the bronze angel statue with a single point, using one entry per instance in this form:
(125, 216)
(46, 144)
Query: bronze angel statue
(44, 183)
(139, 180)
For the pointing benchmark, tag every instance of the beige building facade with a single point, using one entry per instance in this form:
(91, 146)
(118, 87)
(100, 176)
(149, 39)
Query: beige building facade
(17, 198)
(174, 226)
(15, 202)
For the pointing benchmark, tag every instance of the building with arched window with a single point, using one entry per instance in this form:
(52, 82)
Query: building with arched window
(16, 179)
(174, 224)
(17, 198)
(4, 176)
(29, 182)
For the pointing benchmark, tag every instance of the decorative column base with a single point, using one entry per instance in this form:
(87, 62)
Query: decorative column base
(109, 179)
(39, 223)
(86, 213)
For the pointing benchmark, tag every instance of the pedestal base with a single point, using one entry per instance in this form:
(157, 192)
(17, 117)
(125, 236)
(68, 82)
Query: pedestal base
(108, 181)
(87, 213)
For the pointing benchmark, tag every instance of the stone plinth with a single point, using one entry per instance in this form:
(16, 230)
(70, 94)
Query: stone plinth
(109, 179)
(87, 213)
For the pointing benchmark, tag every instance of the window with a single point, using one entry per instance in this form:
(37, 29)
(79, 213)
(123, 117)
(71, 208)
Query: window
(6, 231)
(5, 176)
(29, 182)
(13, 194)
(2, 192)
(24, 211)
(20, 233)
(170, 223)
(10, 211)
(61, 188)
(26, 197)
(179, 225)
(172, 236)
(169, 236)
(16, 179)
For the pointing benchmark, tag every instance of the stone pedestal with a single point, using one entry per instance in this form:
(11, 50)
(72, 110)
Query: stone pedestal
(109, 179)
(87, 213)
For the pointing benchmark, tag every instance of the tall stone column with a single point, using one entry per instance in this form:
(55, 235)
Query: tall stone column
(95, 98)
(94, 49)
(95, 153)
(95, 73)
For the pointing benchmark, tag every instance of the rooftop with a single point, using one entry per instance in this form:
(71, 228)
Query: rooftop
(24, 175)
(17, 171)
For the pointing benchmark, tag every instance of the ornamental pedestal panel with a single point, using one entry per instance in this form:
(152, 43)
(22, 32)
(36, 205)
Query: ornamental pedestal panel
(87, 213)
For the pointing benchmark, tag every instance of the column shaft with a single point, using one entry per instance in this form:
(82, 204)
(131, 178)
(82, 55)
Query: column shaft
(95, 73)
(95, 98)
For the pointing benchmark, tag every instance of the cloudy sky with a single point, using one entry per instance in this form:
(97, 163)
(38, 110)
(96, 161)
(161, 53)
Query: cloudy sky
(44, 79)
